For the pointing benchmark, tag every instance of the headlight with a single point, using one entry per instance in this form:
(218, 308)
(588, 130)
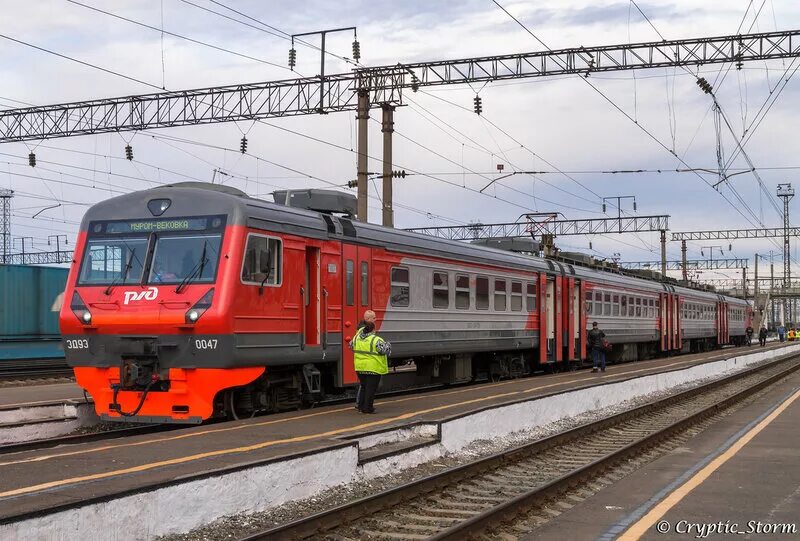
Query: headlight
(200, 307)
(80, 309)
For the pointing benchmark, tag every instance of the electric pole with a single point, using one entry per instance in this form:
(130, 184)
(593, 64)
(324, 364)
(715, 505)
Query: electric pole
(387, 127)
(785, 192)
(5, 222)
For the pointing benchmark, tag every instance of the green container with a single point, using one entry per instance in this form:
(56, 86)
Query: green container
(27, 298)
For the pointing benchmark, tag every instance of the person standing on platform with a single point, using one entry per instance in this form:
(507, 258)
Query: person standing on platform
(781, 333)
(371, 362)
(749, 332)
(369, 317)
(762, 336)
(596, 337)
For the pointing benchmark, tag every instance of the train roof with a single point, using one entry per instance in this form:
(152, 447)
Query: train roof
(200, 198)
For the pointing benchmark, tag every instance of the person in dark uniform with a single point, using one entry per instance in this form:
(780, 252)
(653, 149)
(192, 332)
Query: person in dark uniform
(749, 332)
(762, 336)
(596, 337)
(370, 353)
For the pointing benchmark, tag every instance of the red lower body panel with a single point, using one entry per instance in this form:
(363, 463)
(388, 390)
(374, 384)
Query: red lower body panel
(190, 397)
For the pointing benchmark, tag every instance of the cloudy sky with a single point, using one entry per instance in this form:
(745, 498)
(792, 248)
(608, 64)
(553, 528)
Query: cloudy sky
(556, 124)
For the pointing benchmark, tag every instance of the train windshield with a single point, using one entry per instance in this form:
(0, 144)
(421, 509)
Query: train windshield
(190, 258)
(118, 260)
(177, 251)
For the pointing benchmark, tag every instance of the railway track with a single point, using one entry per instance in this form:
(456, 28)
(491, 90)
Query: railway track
(22, 369)
(506, 494)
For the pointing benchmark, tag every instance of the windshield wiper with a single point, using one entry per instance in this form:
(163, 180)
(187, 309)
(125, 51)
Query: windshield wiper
(124, 275)
(197, 270)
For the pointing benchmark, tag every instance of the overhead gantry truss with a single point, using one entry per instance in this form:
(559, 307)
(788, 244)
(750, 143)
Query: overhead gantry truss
(383, 85)
(38, 258)
(733, 234)
(593, 226)
(704, 264)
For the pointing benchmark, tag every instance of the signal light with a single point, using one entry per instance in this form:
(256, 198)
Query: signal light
(129, 152)
(292, 58)
(704, 85)
(243, 145)
(356, 51)
(414, 82)
(478, 106)
(32, 159)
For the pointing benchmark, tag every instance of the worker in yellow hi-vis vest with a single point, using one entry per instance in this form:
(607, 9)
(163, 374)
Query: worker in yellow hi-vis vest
(370, 353)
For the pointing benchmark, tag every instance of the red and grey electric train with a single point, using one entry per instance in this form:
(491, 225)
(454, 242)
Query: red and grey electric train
(195, 300)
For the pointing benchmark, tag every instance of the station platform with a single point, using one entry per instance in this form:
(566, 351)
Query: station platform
(28, 395)
(136, 470)
(731, 481)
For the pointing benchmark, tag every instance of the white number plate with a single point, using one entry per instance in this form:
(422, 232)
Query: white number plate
(80, 343)
(202, 343)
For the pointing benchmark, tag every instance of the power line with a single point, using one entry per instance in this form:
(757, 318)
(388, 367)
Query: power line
(88, 64)
(173, 34)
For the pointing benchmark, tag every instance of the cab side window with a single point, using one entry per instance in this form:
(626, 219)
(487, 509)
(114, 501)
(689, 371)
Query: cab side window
(262, 261)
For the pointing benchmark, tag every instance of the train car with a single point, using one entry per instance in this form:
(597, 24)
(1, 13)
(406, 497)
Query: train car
(194, 300)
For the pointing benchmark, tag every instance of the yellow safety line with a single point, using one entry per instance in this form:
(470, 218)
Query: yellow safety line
(337, 410)
(641, 527)
(244, 449)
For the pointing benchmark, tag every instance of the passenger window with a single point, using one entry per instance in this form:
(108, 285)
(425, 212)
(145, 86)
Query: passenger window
(623, 306)
(638, 307)
(598, 303)
(364, 283)
(400, 287)
(482, 293)
(349, 271)
(462, 292)
(500, 300)
(607, 304)
(441, 290)
(262, 261)
(530, 298)
(615, 305)
(588, 302)
(516, 296)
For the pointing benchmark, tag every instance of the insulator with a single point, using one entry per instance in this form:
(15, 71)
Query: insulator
(243, 144)
(32, 159)
(399, 174)
(356, 51)
(292, 58)
(478, 105)
(129, 152)
(352, 183)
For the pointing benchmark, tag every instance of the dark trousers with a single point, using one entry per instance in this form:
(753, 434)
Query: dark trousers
(598, 358)
(368, 386)
(762, 341)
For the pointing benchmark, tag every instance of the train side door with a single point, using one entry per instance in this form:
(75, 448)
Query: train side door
(676, 319)
(350, 312)
(663, 321)
(548, 344)
(310, 292)
(576, 315)
(569, 313)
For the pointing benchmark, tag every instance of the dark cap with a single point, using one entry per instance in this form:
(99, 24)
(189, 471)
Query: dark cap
(594, 324)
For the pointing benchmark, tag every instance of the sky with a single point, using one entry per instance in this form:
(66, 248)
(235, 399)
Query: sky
(555, 124)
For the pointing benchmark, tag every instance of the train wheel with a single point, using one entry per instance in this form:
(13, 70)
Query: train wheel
(230, 407)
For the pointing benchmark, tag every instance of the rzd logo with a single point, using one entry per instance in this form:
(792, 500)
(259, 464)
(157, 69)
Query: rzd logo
(148, 295)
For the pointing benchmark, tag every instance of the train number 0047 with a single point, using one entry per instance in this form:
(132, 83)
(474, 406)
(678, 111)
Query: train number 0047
(202, 343)
(78, 344)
